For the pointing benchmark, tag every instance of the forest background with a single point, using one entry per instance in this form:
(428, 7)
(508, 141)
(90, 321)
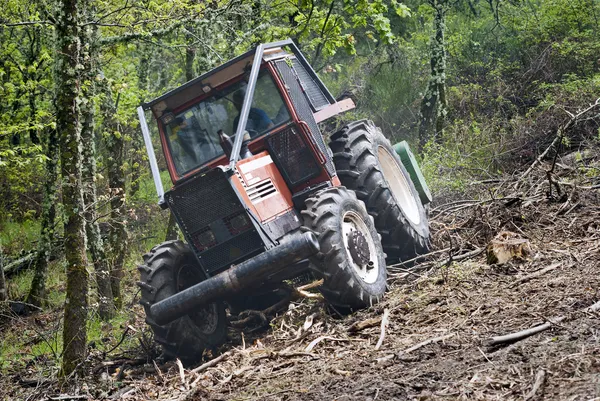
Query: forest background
(476, 87)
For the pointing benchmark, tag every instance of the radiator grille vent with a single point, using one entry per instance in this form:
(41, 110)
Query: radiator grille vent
(261, 191)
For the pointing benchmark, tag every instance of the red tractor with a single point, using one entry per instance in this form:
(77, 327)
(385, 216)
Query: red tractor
(260, 197)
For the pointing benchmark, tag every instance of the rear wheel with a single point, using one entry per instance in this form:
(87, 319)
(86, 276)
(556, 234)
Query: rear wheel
(170, 268)
(367, 163)
(351, 260)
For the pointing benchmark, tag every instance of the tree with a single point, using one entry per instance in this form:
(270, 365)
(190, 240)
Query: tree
(114, 138)
(89, 40)
(68, 125)
(434, 104)
(37, 294)
(3, 292)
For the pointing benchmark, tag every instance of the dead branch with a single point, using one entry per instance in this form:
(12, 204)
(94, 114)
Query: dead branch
(536, 274)
(314, 342)
(408, 262)
(212, 362)
(384, 323)
(426, 342)
(574, 119)
(520, 335)
(540, 377)
(364, 324)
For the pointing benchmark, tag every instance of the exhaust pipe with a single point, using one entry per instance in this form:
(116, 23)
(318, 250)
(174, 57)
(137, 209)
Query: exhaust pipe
(249, 273)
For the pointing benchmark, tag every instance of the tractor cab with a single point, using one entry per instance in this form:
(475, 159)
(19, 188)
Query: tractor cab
(243, 150)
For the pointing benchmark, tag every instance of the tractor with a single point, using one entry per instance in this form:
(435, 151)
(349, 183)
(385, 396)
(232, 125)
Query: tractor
(262, 198)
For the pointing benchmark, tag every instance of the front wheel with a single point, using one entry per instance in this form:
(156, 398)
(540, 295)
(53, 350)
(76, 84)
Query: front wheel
(169, 268)
(351, 260)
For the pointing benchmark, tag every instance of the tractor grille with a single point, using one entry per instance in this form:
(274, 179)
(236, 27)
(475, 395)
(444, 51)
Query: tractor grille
(293, 156)
(213, 220)
(301, 103)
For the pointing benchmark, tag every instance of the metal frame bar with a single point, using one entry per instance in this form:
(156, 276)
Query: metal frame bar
(256, 63)
(151, 155)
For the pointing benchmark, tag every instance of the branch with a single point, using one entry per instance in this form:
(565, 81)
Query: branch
(557, 139)
(520, 335)
(25, 23)
(128, 37)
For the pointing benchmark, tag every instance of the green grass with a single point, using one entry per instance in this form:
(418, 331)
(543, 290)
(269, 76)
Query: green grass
(19, 285)
(18, 236)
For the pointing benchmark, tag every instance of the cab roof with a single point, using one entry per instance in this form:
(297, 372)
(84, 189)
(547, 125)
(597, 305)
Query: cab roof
(207, 81)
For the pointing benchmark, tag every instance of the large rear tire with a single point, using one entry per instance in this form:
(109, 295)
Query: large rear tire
(367, 163)
(170, 268)
(351, 260)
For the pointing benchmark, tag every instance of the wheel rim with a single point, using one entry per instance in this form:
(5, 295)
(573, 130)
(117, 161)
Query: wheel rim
(353, 226)
(399, 185)
(205, 319)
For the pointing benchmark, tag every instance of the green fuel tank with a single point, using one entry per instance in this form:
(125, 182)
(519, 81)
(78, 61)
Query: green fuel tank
(411, 165)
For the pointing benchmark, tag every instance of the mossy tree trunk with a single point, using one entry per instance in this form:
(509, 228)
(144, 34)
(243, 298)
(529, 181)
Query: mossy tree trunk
(67, 65)
(3, 292)
(106, 307)
(115, 147)
(37, 294)
(434, 104)
(137, 148)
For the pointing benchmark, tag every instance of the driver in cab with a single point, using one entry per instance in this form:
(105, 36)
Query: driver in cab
(258, 120)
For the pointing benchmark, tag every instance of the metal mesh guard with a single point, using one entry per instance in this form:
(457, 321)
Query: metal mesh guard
(293, 155)
(304, 110)
(202, 200)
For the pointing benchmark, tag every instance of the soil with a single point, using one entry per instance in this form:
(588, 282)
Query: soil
(310, 352)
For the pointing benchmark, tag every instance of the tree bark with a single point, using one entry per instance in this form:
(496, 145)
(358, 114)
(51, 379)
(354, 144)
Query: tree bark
(434, 104)
(68, 126)
(37, 294)
(106, 307)
(3, 292)
(117, 238)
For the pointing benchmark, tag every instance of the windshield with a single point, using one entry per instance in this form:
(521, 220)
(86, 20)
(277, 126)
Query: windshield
(192, 134)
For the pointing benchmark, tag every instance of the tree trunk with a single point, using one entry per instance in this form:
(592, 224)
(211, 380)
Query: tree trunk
(116, 181)
(138, 151)
(37, 294)
(68, 126)
(106, 307)
(3, 292)
(172, 229)
(434, 104)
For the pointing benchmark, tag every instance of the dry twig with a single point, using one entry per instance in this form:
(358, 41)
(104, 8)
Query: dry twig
(540, 377)
(426, 342)
(384, 323)
(520, 335)
(536, 274)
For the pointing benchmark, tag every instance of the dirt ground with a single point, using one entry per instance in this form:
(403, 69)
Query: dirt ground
(440, 319)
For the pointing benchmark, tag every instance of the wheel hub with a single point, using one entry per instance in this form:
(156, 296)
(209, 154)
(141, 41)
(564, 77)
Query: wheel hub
(359, 248)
